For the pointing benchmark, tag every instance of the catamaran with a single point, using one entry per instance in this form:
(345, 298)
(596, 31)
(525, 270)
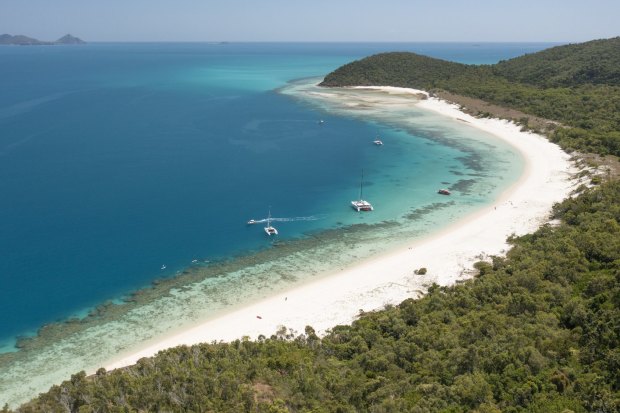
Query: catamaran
(269, 230)
(361, 205)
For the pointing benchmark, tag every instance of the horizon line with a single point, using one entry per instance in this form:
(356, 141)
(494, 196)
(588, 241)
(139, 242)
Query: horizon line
(332, 41)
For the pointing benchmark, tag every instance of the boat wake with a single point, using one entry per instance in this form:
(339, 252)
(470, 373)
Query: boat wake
(291, 219)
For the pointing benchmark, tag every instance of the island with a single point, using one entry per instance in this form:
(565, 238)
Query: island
(535, 329)
(68, 39)
(21, 40)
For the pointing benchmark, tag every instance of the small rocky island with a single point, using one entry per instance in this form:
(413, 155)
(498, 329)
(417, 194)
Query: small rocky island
(21, 40)
(68, 39)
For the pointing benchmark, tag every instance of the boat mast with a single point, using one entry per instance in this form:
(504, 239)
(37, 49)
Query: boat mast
(269, 218)
(361, 185)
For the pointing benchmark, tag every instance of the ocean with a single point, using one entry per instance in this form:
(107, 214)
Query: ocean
(128, 173)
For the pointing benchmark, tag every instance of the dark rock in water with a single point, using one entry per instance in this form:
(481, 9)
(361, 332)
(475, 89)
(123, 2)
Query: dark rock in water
(68, 39)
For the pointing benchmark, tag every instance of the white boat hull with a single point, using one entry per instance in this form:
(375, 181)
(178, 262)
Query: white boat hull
(361, 205)
(271, 231)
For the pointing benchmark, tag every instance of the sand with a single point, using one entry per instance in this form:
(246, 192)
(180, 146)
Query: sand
(448, 256)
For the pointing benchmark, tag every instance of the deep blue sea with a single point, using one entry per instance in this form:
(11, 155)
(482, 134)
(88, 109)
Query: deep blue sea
(118, 159)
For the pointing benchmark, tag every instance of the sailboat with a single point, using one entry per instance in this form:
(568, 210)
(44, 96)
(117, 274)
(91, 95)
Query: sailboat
(361, 205)
(269, 230)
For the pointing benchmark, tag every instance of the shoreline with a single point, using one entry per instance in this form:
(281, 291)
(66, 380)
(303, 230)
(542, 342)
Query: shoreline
(338, 296)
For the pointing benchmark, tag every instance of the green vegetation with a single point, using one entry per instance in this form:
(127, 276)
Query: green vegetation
(596, 62)
(536, 331)
(576, 85)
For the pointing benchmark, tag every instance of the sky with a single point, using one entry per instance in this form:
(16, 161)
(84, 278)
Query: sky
(316, 20)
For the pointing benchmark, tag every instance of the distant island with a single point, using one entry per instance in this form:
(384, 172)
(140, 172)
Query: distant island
(21, 40)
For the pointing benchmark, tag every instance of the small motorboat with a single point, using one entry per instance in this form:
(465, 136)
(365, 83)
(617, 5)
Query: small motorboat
(252, 222)
(443, 192)
(378, 142)
(163, 267)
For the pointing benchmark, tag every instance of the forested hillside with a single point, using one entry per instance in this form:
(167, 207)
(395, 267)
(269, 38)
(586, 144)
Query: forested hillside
(596, 62)
(401, 69)
(536, 331)
(576, 85)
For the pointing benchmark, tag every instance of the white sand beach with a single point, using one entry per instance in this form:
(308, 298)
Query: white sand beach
(449, 255)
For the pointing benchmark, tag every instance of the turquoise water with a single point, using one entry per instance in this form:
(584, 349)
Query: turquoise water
(119, 159)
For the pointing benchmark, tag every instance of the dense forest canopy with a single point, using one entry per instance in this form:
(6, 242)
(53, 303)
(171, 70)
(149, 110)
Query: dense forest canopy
(577, 85)
(535, 331)
(401, 69)
(596, 62)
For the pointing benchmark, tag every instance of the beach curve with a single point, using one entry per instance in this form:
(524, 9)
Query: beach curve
(389, 278)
